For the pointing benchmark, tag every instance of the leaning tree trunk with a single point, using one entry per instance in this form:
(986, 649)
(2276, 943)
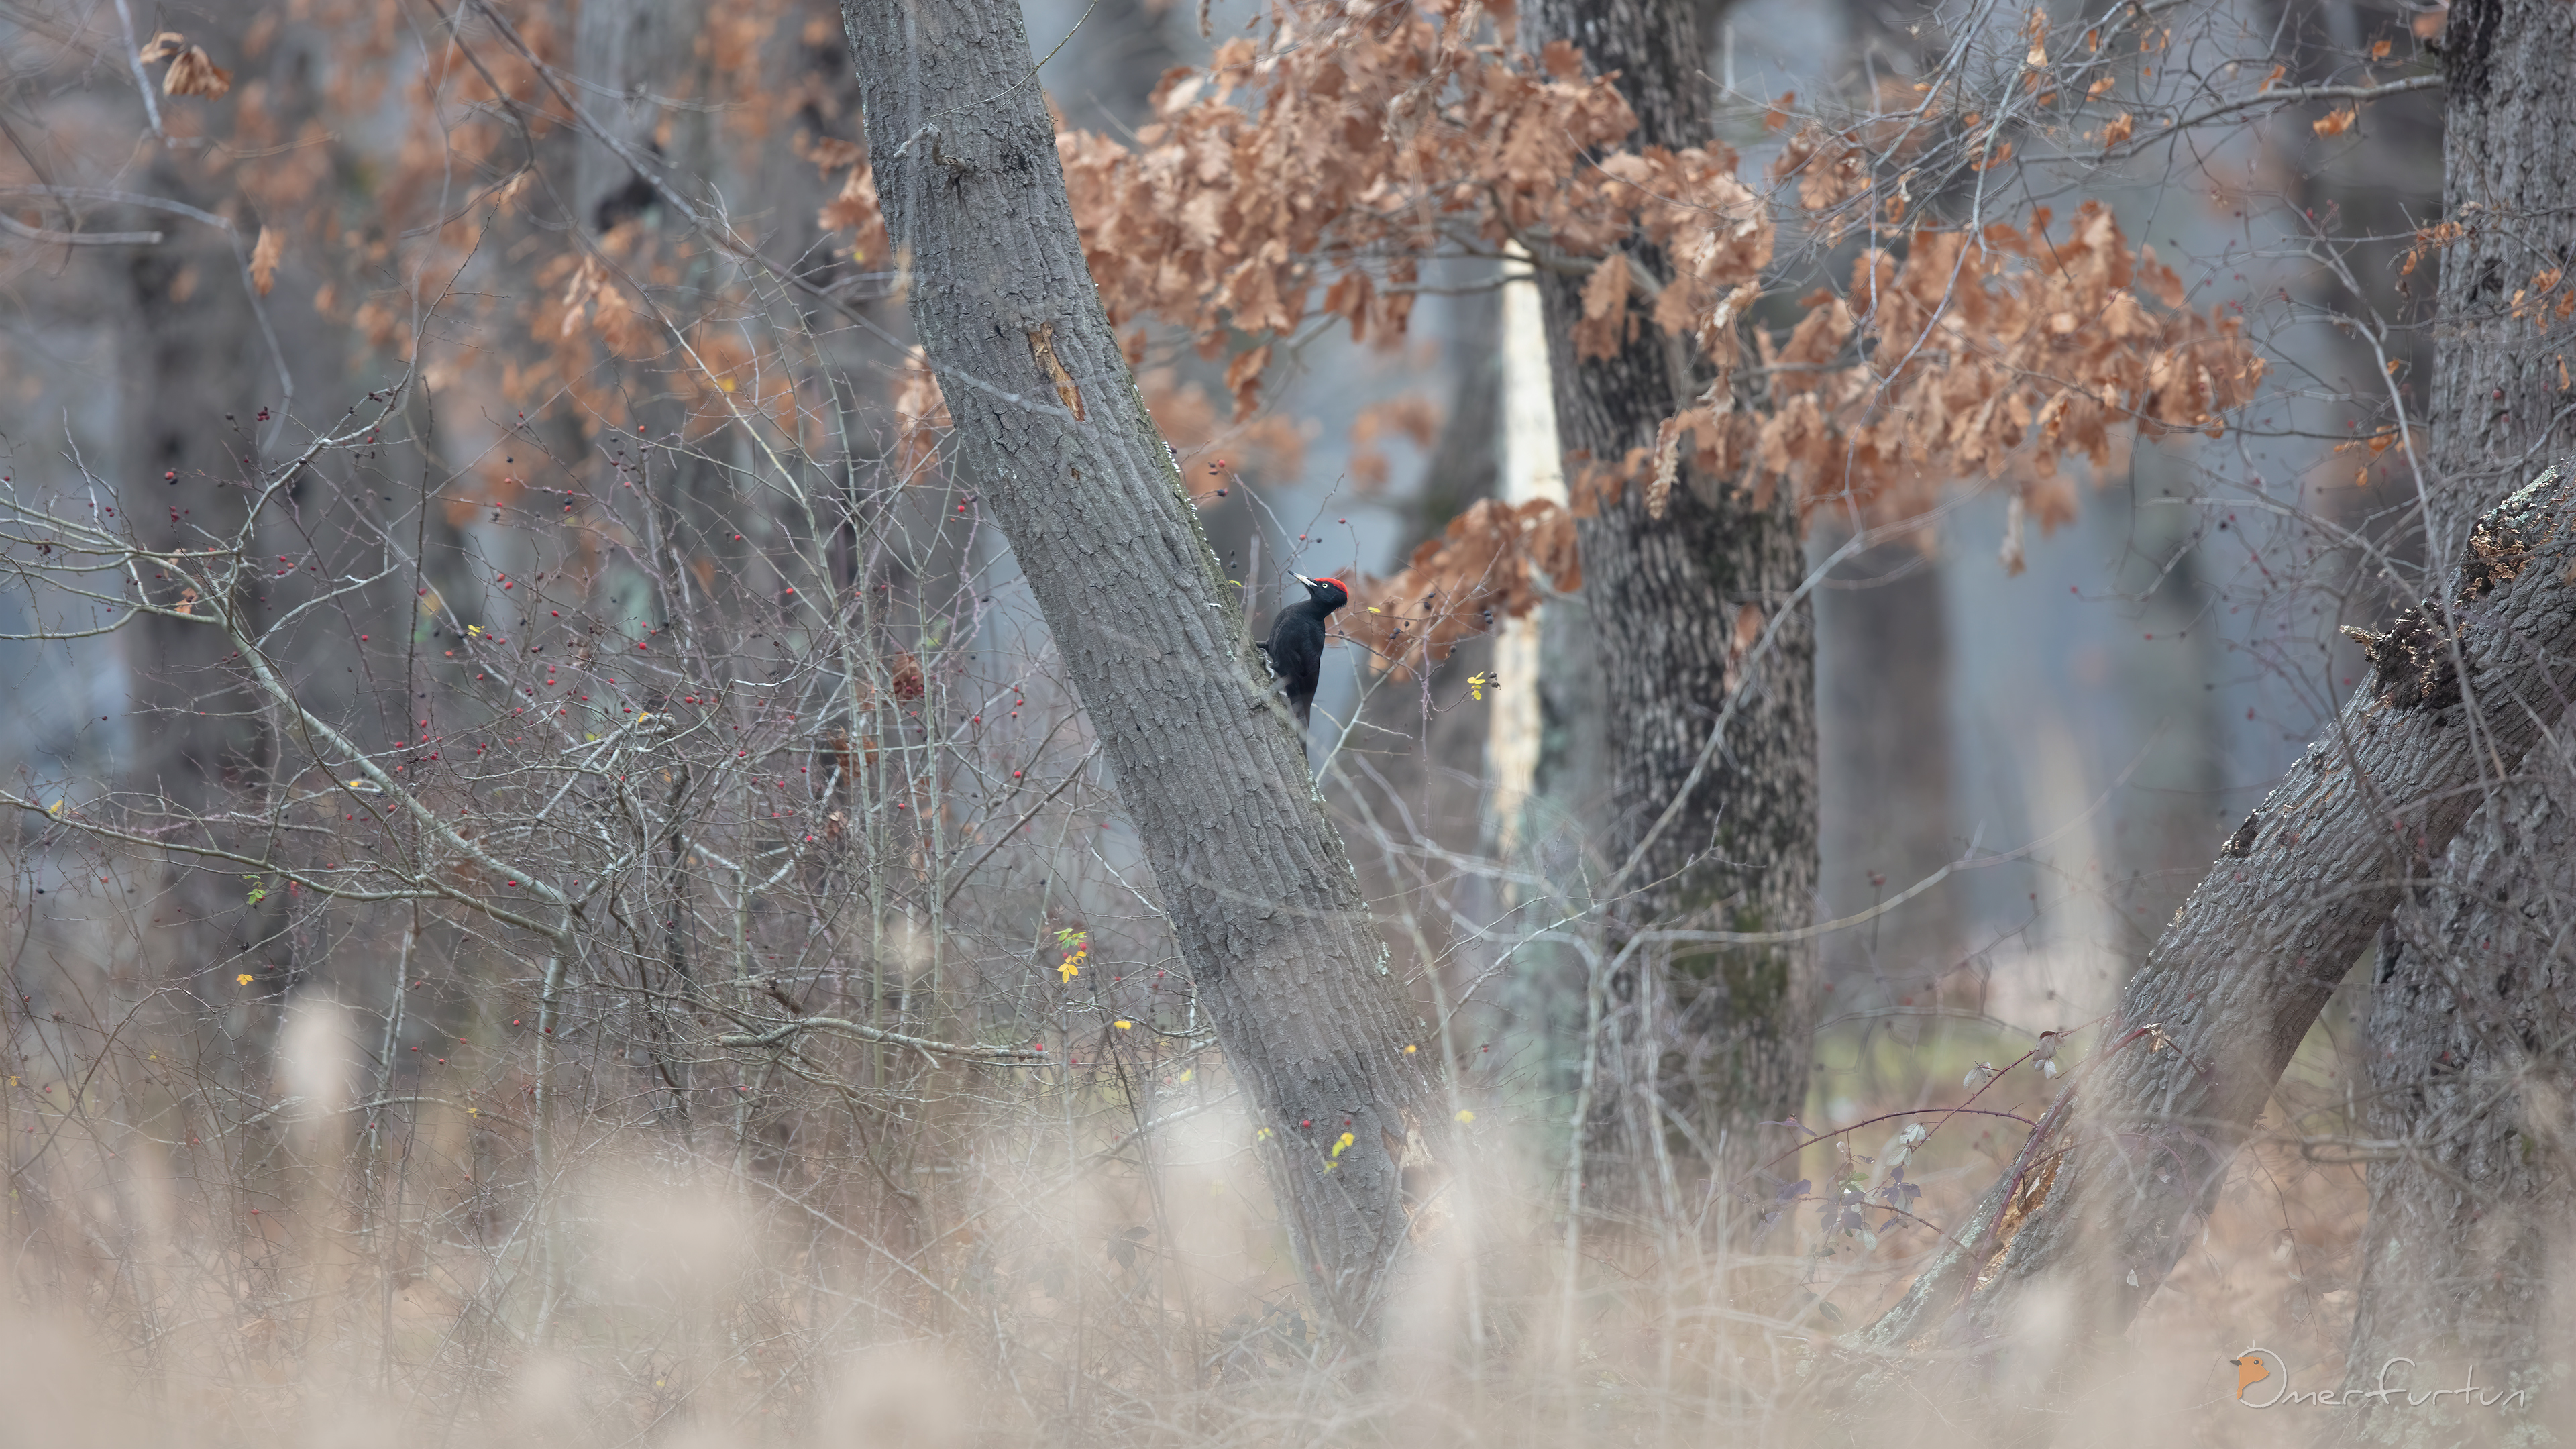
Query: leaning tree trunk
(2469, 1048)
(1261, 896)
(1716, 1037)
(2102, 1198)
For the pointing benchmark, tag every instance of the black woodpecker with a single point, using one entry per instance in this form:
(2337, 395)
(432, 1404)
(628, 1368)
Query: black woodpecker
(1296, 647)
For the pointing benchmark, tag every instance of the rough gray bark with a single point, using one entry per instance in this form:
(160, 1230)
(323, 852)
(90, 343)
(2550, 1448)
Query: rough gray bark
(1724, 1031)
(2473, 1194)
(2105, 1192)
(2509, 183)
(2469, 1046)
(1261, 896)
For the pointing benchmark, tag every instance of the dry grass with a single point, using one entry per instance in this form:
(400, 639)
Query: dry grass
(1022, 1265)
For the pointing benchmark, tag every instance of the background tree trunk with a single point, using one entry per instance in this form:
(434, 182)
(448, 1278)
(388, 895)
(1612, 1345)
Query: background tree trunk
(1260, 894)
(2469, 1044)
(1883, 677)
(1723, 1033)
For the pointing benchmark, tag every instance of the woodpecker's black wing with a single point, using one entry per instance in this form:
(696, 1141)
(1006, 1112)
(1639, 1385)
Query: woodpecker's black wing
(1296, 655)
(1296, 648)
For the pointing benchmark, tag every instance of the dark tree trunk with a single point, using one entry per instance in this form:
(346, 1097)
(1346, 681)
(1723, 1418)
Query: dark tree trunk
(1718, 1037)
(196, 374)
(1261, 896)
(2469, 1046)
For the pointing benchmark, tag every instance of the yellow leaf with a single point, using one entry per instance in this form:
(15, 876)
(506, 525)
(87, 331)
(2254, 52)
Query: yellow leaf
(1122, 1025)
(242, 980)
(1466, 1116)
(1345, 1141)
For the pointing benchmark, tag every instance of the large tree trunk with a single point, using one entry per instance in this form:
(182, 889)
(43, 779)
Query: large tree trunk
(2102, 1198)
(2469, 1050)
(1712, 1037)
(1261, 896)
(2508, 184)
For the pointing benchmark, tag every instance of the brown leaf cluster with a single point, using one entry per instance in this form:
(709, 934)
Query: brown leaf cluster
(2546, 297)
(1977, 356)
(1334, 155)
(1990, 355)
(921, 415)
(192, 72)
(1350, 144)
(854, 209)
(1493, 561)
